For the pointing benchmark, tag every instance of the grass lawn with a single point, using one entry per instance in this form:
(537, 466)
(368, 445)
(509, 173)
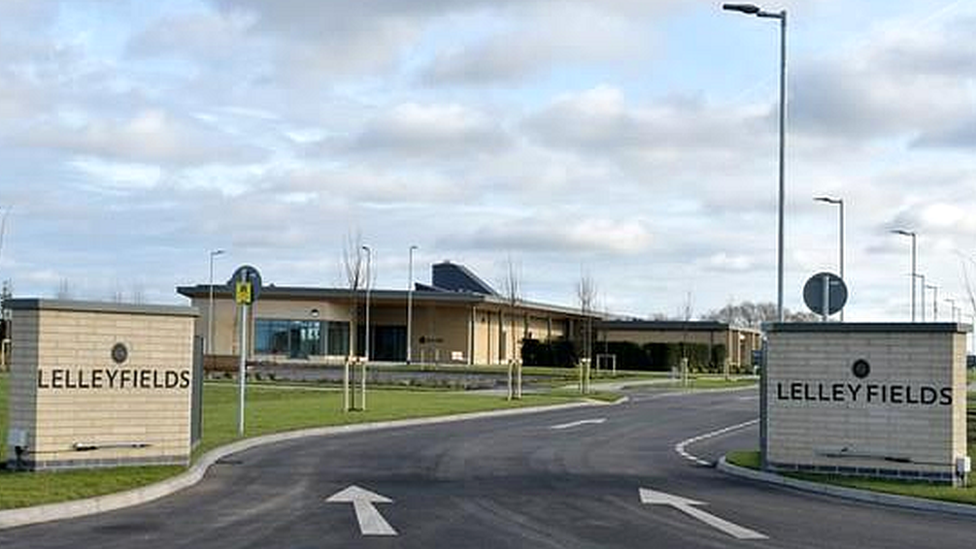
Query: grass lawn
(750, 459)
(270, 409)
(712, 383)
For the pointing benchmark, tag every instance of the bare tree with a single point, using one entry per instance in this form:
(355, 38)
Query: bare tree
(353, 266)
(64, 289)
(586, 295)
(969, 287)
(512, 291)
(586, 291)
(138, 294)
(753, 315)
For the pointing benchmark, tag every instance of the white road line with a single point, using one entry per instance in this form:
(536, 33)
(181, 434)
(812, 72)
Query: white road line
(578, 423)
(687, 506)
(371, 522)
(681, 446)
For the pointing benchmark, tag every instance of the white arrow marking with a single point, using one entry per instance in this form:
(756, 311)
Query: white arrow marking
(686, 506)
(371, 522)
(578, 423)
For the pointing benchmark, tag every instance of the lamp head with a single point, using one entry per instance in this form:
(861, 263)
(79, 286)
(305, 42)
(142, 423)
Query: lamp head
(749, 9)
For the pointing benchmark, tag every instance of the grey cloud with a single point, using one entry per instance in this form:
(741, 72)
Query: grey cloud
(839, 102)
(554, 235)
(599, 119)
(150, 136)
(915, 53)
(355, 184)
(363, 36)
(904, 82)
(412, 130)
(196, 35)
(584, 35)
(959, 136)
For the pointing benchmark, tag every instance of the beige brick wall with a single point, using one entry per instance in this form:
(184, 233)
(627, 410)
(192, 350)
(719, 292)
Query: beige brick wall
(478, 344)
(808, 431)
(55, 349)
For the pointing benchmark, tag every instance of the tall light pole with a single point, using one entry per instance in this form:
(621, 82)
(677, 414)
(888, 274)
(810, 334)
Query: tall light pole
(751, 9)
(210, 307)
(410, 306)
(914, 275)
(952, 305)
(838, 202)
(922, 278)
(935, 301)
(369, 274)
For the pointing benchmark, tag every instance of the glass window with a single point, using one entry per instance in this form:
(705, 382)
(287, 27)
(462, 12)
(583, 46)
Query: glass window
(338, 338)
(293, 338)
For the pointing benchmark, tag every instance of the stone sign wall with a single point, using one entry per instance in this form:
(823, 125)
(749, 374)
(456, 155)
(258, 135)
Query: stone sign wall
(867, 399)
(99, 384)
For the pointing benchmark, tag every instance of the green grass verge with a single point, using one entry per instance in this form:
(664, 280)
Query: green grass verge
(273, 409)
(750, 459)
(26, 489)
(269, 409)
(710, 383)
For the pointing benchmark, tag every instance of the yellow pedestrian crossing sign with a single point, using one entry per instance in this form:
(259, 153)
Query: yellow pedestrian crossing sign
(243, 293)
(246, 283)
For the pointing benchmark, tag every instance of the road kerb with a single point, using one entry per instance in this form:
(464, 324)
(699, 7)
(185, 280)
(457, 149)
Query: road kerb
(24, 516)
(855, 494)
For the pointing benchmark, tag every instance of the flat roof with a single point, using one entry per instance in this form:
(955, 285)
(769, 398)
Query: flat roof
(32, 304)
(873, 327)
(301, 293)
(672, 326)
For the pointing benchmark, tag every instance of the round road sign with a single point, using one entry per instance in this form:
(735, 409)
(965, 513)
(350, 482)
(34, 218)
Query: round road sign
(813, 293)
(247, 273)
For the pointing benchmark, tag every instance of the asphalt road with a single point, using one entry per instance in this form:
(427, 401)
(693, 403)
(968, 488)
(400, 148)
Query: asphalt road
(506, 482)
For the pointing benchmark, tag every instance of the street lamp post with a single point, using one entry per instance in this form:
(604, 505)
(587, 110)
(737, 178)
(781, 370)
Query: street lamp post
(369, 286)
(935, 301)
(369, 274)
(914, 275)
(210, 307)
(952, 307)
(750, 9)
(922, 278)
(410, 307)
(839, 202)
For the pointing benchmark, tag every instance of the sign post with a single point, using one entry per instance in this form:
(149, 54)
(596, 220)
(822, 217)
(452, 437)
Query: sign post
(247, 285)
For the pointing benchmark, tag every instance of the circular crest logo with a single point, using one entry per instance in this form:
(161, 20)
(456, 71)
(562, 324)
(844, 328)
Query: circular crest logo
(861, 368)
(119, 353)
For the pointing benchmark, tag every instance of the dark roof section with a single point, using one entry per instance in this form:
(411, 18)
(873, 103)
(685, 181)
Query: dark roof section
(669, 325)
(869, 327)
(425, 287)
(304, 292)
(457, 278)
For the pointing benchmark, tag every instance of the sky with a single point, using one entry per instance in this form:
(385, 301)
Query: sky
(634, 142)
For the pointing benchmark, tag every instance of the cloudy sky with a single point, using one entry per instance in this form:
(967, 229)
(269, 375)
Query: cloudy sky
(631, 139)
